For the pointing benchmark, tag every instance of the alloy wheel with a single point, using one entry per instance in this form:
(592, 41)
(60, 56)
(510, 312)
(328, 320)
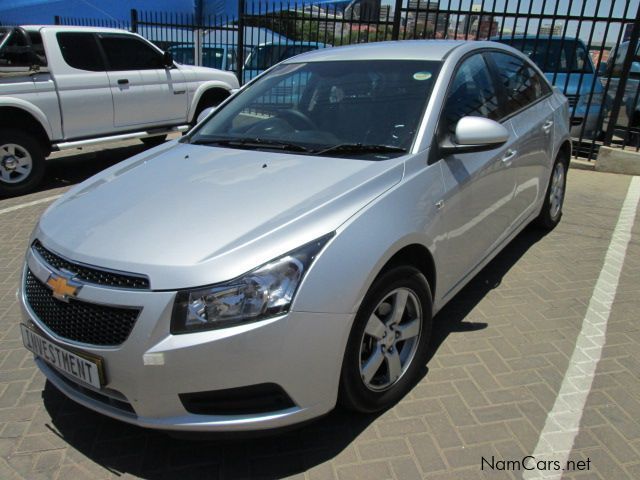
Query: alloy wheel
(556, 192)
(15, 163)
(390, 340)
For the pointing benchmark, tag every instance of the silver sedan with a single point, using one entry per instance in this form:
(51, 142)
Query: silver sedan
(290, 252)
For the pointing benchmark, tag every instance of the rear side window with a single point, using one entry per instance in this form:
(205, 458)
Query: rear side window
(126, 52)
(38, 48)
(472, 93)
(521, 83)
(80, 50)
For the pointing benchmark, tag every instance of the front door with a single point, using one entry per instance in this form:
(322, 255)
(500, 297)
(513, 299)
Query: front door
(145, 93)
(480, 185)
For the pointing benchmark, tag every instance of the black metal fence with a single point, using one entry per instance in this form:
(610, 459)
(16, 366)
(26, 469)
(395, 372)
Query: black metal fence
(589, 49)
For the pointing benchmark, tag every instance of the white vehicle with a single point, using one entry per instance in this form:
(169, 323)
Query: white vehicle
(68, 87)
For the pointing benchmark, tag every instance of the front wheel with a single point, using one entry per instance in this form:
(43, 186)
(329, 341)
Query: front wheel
(21, 162)
(388, 343)
(554, 199)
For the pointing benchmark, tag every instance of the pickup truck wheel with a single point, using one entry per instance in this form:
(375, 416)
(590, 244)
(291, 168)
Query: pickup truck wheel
(154, 141)
(21, 162)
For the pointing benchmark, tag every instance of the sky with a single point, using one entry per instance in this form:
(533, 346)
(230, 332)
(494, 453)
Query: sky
(42, 11)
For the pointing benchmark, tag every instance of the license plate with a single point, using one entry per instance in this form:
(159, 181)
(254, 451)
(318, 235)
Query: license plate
(83, 367)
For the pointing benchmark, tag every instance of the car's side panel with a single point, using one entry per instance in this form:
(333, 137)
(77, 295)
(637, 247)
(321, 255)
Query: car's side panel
(534, 127)
(405, 215)
(478, 206)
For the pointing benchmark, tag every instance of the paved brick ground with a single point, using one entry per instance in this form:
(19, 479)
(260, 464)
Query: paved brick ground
(499, 354)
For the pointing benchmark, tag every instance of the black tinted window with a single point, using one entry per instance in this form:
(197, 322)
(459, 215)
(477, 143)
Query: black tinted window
(80, 50)
(554, 55)
(126, 52)
(471, 93)
(521, 83)
(38, 48)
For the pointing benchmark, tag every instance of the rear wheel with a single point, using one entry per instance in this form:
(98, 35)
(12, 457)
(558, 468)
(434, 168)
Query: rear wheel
(388, 343)
(554, 200)
(21, 162)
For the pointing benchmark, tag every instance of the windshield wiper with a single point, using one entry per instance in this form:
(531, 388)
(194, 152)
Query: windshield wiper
(361, 148)
(252, 143)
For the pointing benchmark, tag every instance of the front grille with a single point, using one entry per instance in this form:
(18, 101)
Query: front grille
(573, 100)
(79, 321)
(91, 274)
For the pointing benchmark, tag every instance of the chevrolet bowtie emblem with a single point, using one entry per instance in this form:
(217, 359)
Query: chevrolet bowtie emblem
(62, 287)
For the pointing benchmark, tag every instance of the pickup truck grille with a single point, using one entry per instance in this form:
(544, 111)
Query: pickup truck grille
(573, 100)
(93, 275)
(77, 320)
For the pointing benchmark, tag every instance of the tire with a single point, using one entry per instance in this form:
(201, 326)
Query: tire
(154, 141)
(367, 392)
(22, 163)
(551, 212)
(211, 98)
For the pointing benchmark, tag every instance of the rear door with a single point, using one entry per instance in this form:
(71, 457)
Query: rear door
(83, 85)
(144, 92)
(525, 96)
(480, 185)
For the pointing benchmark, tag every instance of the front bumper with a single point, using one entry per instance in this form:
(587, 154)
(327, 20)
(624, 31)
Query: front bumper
(300, 352)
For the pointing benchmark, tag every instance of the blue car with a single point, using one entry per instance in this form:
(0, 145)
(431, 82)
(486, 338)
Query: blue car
(567, 65)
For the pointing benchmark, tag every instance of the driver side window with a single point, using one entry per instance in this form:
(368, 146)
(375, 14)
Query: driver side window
(472, 93)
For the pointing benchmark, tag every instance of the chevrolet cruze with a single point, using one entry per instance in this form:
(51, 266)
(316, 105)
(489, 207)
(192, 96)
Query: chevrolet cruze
(289, 252)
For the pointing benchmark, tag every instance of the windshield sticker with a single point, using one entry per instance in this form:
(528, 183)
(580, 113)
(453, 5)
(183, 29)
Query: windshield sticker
(422, 76)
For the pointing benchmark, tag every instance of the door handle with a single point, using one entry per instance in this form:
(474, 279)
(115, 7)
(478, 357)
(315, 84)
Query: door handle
(123, 81)
(546, 128)
(179, 92)
(509, 155)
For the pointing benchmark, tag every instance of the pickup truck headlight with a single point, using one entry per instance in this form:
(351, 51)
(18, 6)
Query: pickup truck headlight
(264, 292)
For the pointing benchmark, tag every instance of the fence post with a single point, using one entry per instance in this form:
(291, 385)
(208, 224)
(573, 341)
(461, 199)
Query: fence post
(240, 53)
(622, 83)
(134, 20)
(397, 18)
(56, 20)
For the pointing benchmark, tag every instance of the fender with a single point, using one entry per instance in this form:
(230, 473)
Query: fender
(30, 108)
(202, 88)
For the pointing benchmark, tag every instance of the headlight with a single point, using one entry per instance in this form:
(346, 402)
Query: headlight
(264, 292)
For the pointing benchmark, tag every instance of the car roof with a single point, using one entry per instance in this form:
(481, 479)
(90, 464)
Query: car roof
(435, 50)
(73, 28)
(554, 38)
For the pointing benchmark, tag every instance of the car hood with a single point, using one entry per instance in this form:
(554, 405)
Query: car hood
(568, 83)
(189, 215)
(195, 73)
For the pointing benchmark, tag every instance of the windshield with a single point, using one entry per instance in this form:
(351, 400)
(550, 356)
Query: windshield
(554, 55)
(368, 108)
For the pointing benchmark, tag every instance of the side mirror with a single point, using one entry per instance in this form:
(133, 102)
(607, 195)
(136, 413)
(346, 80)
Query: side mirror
(475, 134)
(167, 59)
(205, 113)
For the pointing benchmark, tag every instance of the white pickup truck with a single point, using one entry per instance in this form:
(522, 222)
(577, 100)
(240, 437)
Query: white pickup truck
(68, 87)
